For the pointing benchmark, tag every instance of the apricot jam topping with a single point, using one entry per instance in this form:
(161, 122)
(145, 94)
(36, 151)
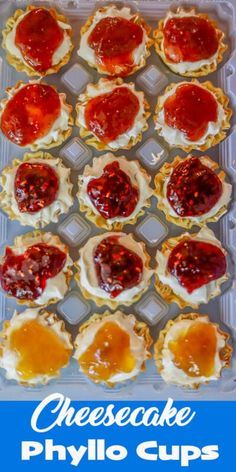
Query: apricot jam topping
(189, 39)
(117, 267)
(109, 354)
(40, 350)
(111, 114)
(196, 263)
(24, 276)
(194, 350)
(112, 194)
(36, 186)
(38, 36)
(114, 41)
(193, 188)
(189, 109)
(30, 113)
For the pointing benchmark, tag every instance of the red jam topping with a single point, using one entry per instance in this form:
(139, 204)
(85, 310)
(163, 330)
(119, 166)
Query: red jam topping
(189, 109)
(117, 267)
(193, 188)
(111, 114)
(114, 40)
(38, 36)
(112, 194)
(30, 113)
(196, 263)
(24, 276)
(36, 186)
(189, 39)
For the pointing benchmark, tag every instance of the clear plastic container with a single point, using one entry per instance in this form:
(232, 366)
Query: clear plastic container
(74, 229)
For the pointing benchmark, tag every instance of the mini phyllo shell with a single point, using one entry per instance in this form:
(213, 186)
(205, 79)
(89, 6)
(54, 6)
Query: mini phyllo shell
(36, 190)
(36, 270)
(35, 116)
(192, 115)
(112, 348)
(191, 268)
(112, 115)
(190, 44)
(37, 41)
(34, 347)
(114, 191)
(115, 41)
(113, 269)
(191, 350)
(192, 191)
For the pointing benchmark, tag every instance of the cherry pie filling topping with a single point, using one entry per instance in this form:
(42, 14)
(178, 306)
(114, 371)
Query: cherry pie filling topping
(196, 263)
(189, 39)
(38, 36)
(117, 267)
(24, 276)
(36, 186)
(30, 113)
(112, 194)
(193, 188)
(111, 114)
(189, 109)
(114, 40)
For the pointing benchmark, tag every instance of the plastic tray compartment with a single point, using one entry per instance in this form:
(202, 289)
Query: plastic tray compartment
(74, 229)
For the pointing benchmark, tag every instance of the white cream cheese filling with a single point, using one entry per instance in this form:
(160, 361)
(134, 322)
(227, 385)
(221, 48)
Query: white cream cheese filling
(131, 168)
(223, 200)
(137, 343)
(176, 137)
(50, 213)
(59, 53)
(173, 374)
(200, 295)
(87, 53)
(10, 358)
(88, 276)
(56, 287)
(187, 66)
(60, 124)
(107, 86)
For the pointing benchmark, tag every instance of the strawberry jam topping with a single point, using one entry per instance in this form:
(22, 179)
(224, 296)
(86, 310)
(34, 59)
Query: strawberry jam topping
(193, 188)
(189, 109)
(190, 39)
(24, 276)
(38, 36)
(196, 263)
(114, 40)
(36, 186)
(117, 267)
(111, 114)
(30, 113)
(112, 194)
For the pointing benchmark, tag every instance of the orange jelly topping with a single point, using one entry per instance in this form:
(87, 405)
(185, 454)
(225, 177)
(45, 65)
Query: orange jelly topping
(109, 354)
(38, 36)
(194, 350)
(40, 350)
(190, 39)
(114, 40)
(111, 114)
(189, 109)
(30, 113)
